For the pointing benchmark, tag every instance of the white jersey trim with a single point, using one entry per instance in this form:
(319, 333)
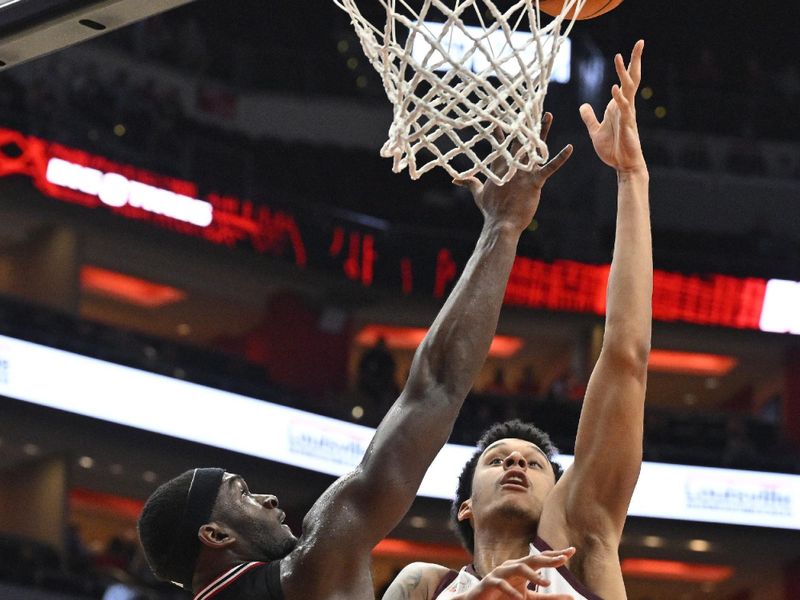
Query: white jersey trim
(224, 580)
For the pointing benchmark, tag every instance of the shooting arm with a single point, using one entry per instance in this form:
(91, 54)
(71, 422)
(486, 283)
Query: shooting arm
(451, 355)
(608, 447)
(359, 509)
(444, 367)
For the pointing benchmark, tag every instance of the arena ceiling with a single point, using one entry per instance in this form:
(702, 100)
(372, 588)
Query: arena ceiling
(33, 28)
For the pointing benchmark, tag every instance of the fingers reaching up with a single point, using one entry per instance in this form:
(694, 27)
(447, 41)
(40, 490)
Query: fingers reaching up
(631, 76)
(516, 202)
(512, 579)
(616, 137)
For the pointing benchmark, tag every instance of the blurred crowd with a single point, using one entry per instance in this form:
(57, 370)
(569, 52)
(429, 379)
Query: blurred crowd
(752, 99)
(117, 571)
(722, 439)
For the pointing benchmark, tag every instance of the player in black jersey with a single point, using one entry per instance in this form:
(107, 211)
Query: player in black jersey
(206, 531)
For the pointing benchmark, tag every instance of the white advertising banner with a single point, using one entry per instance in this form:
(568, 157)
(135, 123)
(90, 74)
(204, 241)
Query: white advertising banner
(101, 390)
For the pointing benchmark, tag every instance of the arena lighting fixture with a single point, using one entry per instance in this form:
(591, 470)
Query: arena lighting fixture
(408, 338)
(691, 363)
(158, 404)
(31, 450)
(647, 568)
(128, 288)
(33, 28)
(653, 541)
(699, 545)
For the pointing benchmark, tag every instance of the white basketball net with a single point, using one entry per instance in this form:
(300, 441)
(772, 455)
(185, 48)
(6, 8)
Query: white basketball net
(460, 90)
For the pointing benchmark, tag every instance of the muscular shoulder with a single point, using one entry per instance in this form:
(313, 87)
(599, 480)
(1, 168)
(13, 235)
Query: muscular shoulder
(417, 581)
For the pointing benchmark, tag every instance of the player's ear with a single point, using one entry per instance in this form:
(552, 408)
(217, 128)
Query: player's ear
(465, 510)
(216, 536)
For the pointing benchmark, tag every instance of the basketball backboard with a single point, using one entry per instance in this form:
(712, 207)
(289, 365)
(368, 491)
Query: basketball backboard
(33, 28)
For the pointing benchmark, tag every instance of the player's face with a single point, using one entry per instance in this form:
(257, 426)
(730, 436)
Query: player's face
(255, 520)
(511, 481)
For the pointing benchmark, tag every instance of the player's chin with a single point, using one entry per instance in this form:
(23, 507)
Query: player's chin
(290, 544)
(518, 506)
(280, 548)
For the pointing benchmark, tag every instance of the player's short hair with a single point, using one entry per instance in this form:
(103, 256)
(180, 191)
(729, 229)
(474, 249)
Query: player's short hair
(170, 520)
(499, 431)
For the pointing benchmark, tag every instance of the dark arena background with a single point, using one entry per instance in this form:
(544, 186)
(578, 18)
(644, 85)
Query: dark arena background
(247, 251)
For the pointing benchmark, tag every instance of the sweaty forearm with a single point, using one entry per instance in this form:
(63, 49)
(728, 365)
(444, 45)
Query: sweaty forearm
(455, 348)
(630, 282)
(444, 367)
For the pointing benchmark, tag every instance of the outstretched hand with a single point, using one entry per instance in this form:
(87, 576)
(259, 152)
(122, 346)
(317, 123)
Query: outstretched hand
(510, 580)
(616, 139)
(515, 203)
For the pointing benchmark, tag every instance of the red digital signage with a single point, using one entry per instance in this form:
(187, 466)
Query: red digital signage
(92, 181)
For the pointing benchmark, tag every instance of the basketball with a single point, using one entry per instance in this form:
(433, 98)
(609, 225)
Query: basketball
(590, 10)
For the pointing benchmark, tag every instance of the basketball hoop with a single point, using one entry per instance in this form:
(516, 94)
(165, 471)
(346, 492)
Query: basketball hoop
(465, 97)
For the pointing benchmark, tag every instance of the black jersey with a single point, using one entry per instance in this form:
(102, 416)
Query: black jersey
(248, 581)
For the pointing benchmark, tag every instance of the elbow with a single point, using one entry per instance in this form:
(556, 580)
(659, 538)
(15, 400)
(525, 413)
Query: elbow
(629, 356)
(434, 376)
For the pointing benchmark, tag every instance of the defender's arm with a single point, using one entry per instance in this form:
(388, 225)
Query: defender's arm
(362, 507)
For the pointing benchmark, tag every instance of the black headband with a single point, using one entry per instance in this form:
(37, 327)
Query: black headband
(200, 502)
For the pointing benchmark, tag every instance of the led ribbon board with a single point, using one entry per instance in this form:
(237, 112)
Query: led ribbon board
(156, 403)
(95, 182)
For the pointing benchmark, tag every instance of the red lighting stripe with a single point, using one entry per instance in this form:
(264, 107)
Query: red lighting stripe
(406, 276)
(717, 300)
(691, 363)
(96, 501)
(674, 570)
(128, 288)
(408, 338)
(413, 551)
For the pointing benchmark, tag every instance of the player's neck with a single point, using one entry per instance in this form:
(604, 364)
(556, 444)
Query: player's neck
(211, 565)
(495, 547)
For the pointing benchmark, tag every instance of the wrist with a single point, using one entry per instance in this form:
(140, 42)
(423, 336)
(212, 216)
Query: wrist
(503, 229)
(637, 172)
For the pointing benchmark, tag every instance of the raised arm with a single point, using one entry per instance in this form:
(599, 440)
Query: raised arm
(379, 492)
(451, 355)
(596, 491)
